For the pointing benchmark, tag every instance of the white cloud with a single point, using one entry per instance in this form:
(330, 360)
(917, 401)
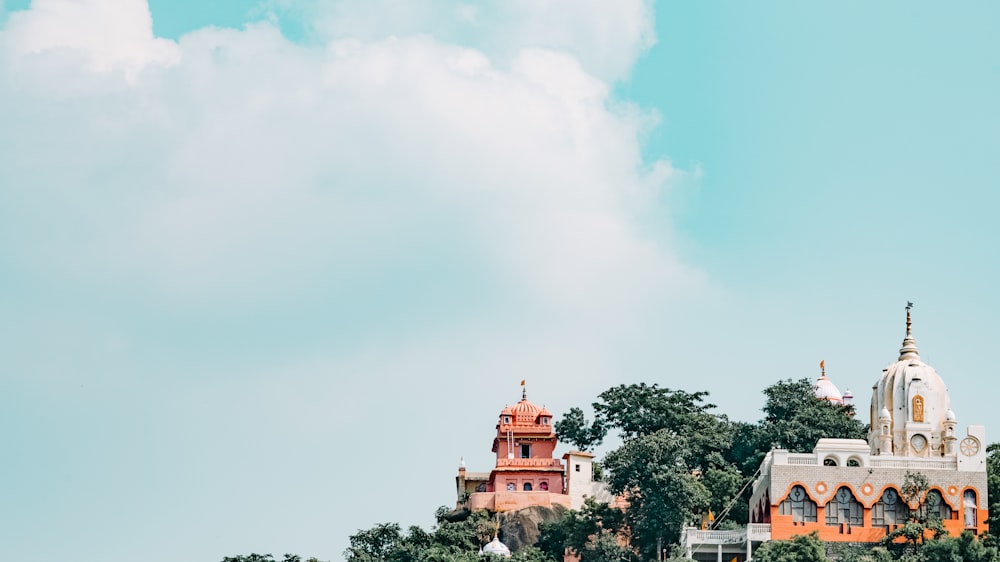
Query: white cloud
(105, 35)
(294, 229)
(254, 165)
(606, 37)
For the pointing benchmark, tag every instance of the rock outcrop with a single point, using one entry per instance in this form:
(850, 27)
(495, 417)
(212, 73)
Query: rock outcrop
(520, 528)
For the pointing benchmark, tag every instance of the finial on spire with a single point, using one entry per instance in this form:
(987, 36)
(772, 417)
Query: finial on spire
(909, 349)
(822, 368)
(524, 391)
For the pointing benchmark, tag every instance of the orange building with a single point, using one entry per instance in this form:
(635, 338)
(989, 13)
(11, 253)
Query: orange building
(852, 489)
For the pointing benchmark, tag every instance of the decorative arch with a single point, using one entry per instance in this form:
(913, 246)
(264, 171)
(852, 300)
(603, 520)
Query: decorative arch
(799, 505)
(844, 508)
(970, 508)
(890, 509)
(935, 505)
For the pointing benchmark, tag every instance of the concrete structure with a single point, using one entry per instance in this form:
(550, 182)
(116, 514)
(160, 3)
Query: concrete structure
(526, 474)
(851, 490)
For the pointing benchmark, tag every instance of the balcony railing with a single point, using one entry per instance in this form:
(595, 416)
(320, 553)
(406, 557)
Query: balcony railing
(755, 532)
(530, 463)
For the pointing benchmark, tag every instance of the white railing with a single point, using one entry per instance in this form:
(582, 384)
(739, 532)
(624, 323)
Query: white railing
(759, 531)
(696, 536)
(803, 459)
(910, 462)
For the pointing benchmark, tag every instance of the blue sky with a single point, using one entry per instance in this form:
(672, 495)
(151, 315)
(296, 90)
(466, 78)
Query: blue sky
(265, 268)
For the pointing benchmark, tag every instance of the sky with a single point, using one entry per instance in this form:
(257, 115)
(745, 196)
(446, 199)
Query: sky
(269, 269)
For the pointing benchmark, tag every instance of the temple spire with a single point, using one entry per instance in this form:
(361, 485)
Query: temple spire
(524, 391)
(909, 349)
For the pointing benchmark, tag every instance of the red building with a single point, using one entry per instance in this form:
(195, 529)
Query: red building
(525, 473)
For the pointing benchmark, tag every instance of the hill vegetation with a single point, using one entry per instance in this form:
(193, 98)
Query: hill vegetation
(678, 460)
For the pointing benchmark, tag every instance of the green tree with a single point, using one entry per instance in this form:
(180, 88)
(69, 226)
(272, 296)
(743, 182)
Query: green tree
(576, 430)
(993, 486)
(795, 419)
(577, 530)
(802, 548)
(655, 472)
(375, 544)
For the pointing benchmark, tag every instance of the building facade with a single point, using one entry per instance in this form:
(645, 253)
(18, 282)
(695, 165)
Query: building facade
(853, 490)
(526, 473)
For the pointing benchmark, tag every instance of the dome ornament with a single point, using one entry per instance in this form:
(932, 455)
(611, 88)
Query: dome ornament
(909, 349)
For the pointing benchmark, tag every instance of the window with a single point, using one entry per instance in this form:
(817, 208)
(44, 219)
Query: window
(577, 468)
(506, 419)
(935, 506)
(799, 506)
(889, 510)
(525, 451)
(843, 508)
(543, 486)
(527, 486)
(969, 507)
(511, 487)
(830, 461)
(853, 462)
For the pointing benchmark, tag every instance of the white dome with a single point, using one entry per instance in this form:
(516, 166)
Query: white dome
(949, 415)
(826, 390)
(914, 397)
(496, 547)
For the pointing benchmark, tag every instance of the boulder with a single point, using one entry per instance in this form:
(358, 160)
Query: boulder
(520, 528)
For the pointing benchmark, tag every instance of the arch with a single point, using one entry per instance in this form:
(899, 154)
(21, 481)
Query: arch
(830, 461)
(844, 508)
(543, 486)
(854, 462)
(511, 487)
(935, 506)
(527, 486)
(970, 505)
(799, 505)
(890, 509)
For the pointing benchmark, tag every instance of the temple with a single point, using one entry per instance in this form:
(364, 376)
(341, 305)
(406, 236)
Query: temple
(526, 472)
(852, 490)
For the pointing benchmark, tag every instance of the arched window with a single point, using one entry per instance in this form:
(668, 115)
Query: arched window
(889, 510)
(799, 506)
(543, 486)
(853, 462)
(843, 508)
(527, 486)
(969, 507)
(511, 487)
(829, 461)
(935, 507)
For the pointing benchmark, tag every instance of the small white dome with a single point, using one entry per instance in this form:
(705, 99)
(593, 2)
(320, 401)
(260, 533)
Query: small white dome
(496, 547)
(949, 415)
(884, 414)
(826, 390)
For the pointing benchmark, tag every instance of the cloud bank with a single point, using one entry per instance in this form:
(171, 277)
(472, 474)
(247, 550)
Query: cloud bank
(433, 199)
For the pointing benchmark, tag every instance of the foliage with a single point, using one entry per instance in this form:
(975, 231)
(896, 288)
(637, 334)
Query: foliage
(655, 472)
(795, 419)
(449, 541)
(802, 548)
(574, 429)
(254, 557)
(577, 530)
(993, 485)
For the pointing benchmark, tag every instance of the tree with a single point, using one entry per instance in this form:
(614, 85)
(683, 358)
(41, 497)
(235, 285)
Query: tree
(654, 472)
(993, 486)
(795, 419)
(802, 548)
(577, 530)
(375, 544)
(576, 430)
